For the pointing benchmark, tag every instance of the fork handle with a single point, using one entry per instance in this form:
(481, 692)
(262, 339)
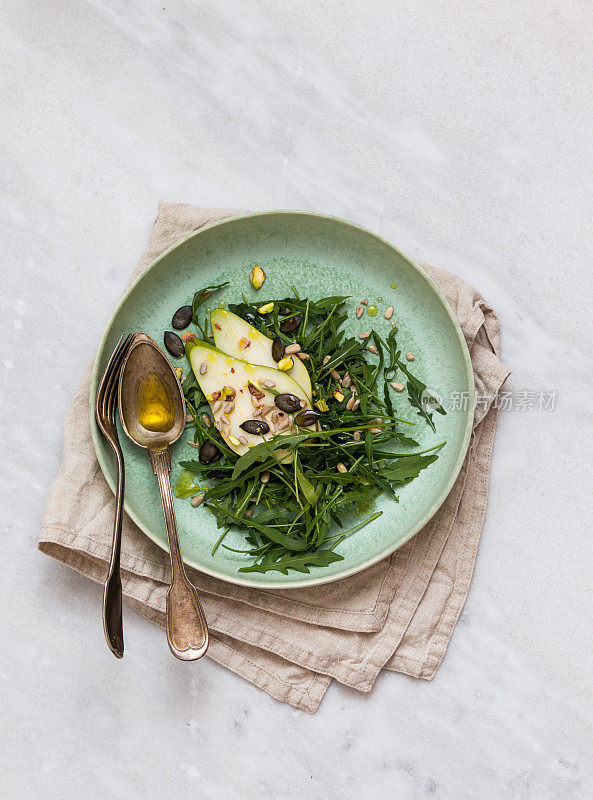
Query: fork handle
(187, 631)
(112, 594)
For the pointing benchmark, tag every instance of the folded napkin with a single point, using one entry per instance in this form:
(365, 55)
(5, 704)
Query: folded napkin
(399, 614)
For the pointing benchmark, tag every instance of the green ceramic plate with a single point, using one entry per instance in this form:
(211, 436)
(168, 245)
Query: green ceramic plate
(319, 255)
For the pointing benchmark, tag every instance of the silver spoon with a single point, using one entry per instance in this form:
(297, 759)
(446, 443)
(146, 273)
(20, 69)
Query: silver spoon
(150, 395)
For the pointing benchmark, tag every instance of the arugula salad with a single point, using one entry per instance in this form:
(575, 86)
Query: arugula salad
(294, 424)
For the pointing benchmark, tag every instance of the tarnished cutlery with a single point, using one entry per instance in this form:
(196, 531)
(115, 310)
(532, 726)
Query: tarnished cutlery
(105, 407)
(152, 414)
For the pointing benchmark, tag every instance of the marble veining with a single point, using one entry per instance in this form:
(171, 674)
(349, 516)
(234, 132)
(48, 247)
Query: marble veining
(461, 132)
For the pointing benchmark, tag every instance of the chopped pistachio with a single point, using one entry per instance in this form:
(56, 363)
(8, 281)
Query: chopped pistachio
(257, 277)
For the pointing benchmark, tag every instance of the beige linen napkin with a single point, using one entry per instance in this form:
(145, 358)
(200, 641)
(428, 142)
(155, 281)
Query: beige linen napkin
(399, 614)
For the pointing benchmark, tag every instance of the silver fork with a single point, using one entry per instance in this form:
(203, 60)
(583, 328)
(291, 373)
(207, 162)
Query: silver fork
(105, 406)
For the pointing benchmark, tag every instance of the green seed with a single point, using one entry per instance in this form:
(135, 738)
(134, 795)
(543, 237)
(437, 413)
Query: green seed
(372, 311)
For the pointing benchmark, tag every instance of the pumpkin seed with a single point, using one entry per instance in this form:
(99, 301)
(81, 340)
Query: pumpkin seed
(290, 324)
(287, 402)
(306, 418)
(209, 453)
(174, 344)
(278, 348)
(182, 317)
(257, 427)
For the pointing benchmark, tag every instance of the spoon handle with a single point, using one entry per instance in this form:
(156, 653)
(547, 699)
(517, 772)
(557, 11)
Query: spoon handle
(187, 631)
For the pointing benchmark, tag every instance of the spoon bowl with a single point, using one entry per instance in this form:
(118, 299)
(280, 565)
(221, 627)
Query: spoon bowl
(146, 358)
(152, 413)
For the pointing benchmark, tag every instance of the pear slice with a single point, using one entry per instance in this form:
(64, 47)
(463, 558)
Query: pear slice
(221, 376)
(239, 339)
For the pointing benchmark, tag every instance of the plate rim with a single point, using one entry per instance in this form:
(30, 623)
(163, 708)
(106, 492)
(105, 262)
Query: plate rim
(95, 377)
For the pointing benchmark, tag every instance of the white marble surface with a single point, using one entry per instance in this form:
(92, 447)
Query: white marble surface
(461, 131)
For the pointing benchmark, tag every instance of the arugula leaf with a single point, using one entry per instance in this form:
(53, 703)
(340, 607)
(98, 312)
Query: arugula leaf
(409, 467)
(202, 295)
(300, 562)
(416, 390)
(306, 486)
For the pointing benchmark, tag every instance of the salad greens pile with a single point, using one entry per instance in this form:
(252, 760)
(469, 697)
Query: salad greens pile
(296, 505)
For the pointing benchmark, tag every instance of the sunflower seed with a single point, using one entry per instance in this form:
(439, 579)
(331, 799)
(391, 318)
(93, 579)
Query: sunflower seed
(229, 407)
(350, 403)
(341, 467)
(292, 348)
(347, 381)
(373, 349)
(264, 477)
(194, 444)
(356, 436)
(389, 313)
(203, 368)
(336, 375)
(217, 406)
(206, 420)
(326, 359)
(375, 430)
(399, 387)
(304, 356)
(197, 500)
(248, 512)
(364, 335)
(303, 404)
(359, 311)
(356, 404)
(243, 439)
(410, 357)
